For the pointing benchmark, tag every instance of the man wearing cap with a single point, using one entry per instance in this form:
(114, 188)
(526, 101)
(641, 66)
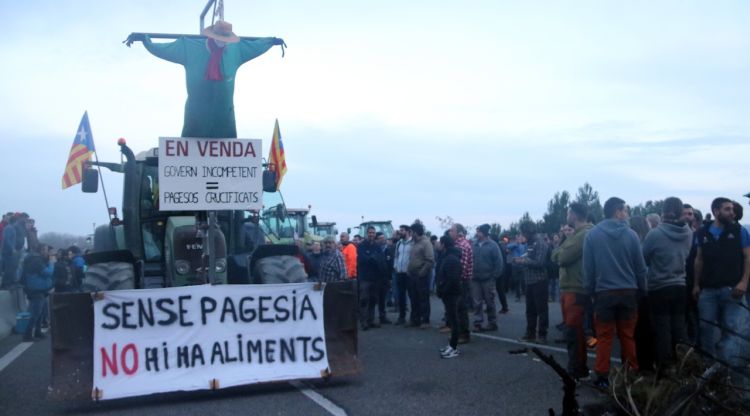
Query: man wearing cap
(210, 68)
(488, 266)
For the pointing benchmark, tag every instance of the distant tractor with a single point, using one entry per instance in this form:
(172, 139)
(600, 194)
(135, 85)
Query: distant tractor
(323, 229)
(384, 227)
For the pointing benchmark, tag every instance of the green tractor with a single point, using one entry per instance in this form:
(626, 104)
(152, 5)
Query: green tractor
(323, 229)
(286, 225)
(150, 248)
(385, 227)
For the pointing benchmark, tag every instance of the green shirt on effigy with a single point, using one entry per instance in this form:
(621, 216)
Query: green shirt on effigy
(209, 110)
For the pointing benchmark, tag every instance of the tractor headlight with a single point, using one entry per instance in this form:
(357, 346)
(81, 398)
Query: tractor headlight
(221, 265)
(182, 266)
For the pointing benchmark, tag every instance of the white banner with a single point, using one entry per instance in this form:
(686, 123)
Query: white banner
(210, 174)
(206, 337)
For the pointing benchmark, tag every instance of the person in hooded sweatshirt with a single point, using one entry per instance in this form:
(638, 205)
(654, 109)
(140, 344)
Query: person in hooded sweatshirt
(614, 273)
(449, 290)
(665, 250)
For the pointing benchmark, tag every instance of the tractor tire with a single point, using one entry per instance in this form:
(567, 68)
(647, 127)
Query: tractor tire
(279, 269)
(113, 275)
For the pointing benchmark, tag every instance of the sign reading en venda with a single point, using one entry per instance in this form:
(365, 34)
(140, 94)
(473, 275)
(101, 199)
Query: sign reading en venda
(210, 174)
(206, 337)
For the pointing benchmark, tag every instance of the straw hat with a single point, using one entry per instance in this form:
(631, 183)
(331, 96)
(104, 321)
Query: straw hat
(221, 31)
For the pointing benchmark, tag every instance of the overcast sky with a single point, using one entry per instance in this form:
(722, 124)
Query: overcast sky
(480, 110)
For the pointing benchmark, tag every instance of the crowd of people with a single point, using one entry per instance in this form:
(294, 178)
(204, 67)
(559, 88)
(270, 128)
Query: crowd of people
(36, 268)
(653, 282)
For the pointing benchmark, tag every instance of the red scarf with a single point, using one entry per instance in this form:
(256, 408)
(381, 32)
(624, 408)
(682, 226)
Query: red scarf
(213, 70)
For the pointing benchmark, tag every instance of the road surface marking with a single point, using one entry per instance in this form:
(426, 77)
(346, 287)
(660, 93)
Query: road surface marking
(13, 354)
(318, 398)
(531, 344)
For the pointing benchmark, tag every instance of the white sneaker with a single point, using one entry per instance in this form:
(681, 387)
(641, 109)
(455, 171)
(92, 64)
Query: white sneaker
(445, 349)
(452, 353)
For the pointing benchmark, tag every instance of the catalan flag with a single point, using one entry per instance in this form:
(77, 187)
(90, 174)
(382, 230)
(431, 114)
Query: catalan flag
(276, 157)
(83, 147)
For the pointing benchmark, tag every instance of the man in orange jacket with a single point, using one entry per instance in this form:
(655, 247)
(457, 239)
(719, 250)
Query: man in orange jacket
(350, 255)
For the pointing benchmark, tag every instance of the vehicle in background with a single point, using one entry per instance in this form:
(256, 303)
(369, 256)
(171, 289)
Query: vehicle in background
(385, 227)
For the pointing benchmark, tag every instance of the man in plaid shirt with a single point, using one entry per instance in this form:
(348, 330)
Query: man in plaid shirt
(332, 268)
(534, 265)
(458, 234)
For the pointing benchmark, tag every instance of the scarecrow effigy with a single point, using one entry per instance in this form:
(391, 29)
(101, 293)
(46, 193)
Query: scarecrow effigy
(211, 61)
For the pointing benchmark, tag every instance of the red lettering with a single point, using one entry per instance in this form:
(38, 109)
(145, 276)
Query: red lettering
(226, 147)
(170, 148)
(109, 362)
(202, 145)
(182, 147)
(123, 359)
(250, 150)
(176, 148)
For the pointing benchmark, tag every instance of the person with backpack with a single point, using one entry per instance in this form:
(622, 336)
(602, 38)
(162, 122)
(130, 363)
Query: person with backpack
(37, 281)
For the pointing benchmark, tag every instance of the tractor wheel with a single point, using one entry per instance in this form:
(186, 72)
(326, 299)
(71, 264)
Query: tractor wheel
(112, 275)
(280, 269)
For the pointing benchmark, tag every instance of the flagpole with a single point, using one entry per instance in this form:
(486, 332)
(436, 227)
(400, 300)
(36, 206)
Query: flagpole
(104, 191)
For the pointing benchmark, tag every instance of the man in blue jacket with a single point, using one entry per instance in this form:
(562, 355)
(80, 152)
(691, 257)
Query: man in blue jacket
(371, 269)
(614, 273)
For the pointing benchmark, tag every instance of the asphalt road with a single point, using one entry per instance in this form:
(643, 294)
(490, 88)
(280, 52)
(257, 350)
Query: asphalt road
(402, 374)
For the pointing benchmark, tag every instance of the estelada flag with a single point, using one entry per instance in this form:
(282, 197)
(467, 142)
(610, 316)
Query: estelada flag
(81, 151)
(276, 158)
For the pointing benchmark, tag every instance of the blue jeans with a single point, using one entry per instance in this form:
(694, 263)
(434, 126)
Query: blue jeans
(554, 290)
(36, 308)
(718, 305)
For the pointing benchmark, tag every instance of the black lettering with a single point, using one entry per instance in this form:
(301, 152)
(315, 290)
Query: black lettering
(287, 350)
(109, 314)
(239, 346)
(183, 311)
(228, 356)
(294, 305)
(166, 355)
(254, 347)
(262, 309)
(182, 357)
(216, 351)
(145, 314)
(228, 308)
(318, 349)
(307, 306)
(126, 314)
(208, 305)
(152, 359)
(282, 314)
(197, 354)
(172, 317)
(247, 314)
(304, 340)
(270, 350)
